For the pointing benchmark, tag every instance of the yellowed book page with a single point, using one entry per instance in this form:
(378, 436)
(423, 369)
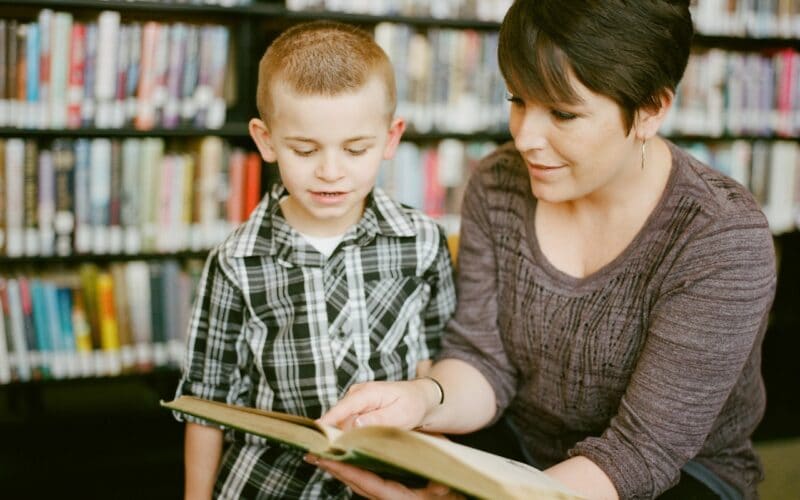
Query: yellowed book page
(467, 469)
(290, 429)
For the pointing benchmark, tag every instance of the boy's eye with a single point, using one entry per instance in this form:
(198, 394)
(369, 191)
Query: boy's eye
(356, 151)
(563, 115)
(304, 152)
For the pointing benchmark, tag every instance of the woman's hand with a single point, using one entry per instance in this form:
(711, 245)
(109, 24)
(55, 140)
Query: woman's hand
(372, 486)
(395, 404)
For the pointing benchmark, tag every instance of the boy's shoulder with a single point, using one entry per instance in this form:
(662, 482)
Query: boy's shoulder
(398, 219)
(254, 235)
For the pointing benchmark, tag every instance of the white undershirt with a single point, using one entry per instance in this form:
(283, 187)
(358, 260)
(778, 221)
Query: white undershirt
(324, 244)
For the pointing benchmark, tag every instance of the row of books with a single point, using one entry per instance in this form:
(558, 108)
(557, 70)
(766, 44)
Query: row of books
(756, 18)
(769, 169)
(432, 178)
(485, 10)
(133, 195)
(739, 94)
(447, 79)
(61, 72)
(95, 321)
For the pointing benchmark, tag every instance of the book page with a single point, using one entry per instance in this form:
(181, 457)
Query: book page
(294, 430)
(461, 467)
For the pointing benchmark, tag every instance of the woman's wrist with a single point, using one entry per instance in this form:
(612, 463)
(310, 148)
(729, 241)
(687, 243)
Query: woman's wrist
(433, 392)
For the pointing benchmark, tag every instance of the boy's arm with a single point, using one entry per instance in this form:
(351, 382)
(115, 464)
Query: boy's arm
(202, 452)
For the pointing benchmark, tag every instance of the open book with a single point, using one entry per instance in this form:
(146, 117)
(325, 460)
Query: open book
(387, 450)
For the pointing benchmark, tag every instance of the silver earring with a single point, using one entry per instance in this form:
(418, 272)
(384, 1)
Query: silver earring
(644, 149)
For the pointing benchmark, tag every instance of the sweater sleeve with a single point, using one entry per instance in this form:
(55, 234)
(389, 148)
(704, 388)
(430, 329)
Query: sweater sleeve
(473, 335)
(709, 316)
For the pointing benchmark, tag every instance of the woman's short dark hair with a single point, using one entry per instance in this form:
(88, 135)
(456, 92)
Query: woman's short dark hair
(631, 51)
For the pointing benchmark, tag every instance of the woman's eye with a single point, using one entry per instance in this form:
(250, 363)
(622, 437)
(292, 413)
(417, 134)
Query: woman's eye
(513, 99)
(356, 152)
(563, 115)
(303, 152)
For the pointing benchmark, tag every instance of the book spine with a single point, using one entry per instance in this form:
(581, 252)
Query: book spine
(46, 30)
(88, 105)
(3, 202)
(47, 205)
(77, 69)
(13, 302)
(145, 111)
(30, 198)
(14, 189)
(59, 76)
(69, 349)
(252, 183)
(108, 26)
(5, 346)
(100, 194)
(64, 221)
(109, 329)
(4, 50)
(33, 108)
(21, 113)
(11, 73)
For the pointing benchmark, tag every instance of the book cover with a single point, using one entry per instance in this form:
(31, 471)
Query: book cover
(59, 69)
(387, 450)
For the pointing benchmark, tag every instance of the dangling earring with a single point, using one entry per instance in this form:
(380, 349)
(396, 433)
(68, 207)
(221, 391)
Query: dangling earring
(644, 149)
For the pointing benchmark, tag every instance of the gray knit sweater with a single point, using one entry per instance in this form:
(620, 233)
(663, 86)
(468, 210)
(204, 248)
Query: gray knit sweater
(649, 362)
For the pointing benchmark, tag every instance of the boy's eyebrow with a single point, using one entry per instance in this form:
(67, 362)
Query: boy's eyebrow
(307, 139)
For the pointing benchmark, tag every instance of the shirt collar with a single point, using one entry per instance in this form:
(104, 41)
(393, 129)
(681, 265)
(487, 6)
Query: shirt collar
(266, 232)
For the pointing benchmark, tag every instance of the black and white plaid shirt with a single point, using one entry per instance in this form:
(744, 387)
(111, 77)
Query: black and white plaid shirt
(276, 325)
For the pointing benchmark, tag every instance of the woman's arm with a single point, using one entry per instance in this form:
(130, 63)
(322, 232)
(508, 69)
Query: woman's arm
(468, 402)
(202, 452)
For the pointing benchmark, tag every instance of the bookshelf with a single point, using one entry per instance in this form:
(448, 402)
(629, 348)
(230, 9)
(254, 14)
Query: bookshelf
(24, 405)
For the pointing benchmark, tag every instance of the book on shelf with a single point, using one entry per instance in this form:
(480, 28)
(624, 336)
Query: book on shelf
(389, 451)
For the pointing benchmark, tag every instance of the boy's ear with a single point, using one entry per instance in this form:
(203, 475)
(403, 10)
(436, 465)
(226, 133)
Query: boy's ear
(396, 129)
(263, 139)
(649, 120)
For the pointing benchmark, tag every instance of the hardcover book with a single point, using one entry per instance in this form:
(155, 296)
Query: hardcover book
(387, 451)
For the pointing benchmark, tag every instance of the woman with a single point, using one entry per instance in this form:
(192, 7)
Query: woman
(613, 291)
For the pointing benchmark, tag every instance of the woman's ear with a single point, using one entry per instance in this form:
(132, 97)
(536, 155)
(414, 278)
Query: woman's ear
(649, 119)
(396, 129)
(263, 139)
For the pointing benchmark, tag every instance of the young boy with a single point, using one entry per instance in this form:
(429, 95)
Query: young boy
(328, 283)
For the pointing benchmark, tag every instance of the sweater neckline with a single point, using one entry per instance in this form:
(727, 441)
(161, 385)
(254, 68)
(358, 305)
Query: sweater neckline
(610, 268)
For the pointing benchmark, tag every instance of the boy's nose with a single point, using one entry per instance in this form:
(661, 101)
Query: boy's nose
(328, 170)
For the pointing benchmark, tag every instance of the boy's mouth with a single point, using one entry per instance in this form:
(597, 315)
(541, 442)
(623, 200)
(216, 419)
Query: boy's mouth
(328, 193)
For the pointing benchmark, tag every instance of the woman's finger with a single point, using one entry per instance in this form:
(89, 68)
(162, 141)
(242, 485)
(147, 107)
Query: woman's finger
(366, 483)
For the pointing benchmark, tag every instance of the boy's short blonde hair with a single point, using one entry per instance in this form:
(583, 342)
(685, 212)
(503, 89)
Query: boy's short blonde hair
(323, 58)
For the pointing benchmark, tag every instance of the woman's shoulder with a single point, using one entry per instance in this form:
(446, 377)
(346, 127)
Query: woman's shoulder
(715, 194)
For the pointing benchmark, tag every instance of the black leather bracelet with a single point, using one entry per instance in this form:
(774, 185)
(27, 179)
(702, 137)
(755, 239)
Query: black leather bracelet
(438, 386)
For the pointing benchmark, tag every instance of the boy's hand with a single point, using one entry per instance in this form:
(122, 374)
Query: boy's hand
(394, 404)
(372, 486)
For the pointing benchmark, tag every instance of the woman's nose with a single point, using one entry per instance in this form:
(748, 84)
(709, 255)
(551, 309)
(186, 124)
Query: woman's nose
(529, 129)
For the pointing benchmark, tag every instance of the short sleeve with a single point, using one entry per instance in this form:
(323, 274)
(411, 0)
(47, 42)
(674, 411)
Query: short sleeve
(216, 353)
